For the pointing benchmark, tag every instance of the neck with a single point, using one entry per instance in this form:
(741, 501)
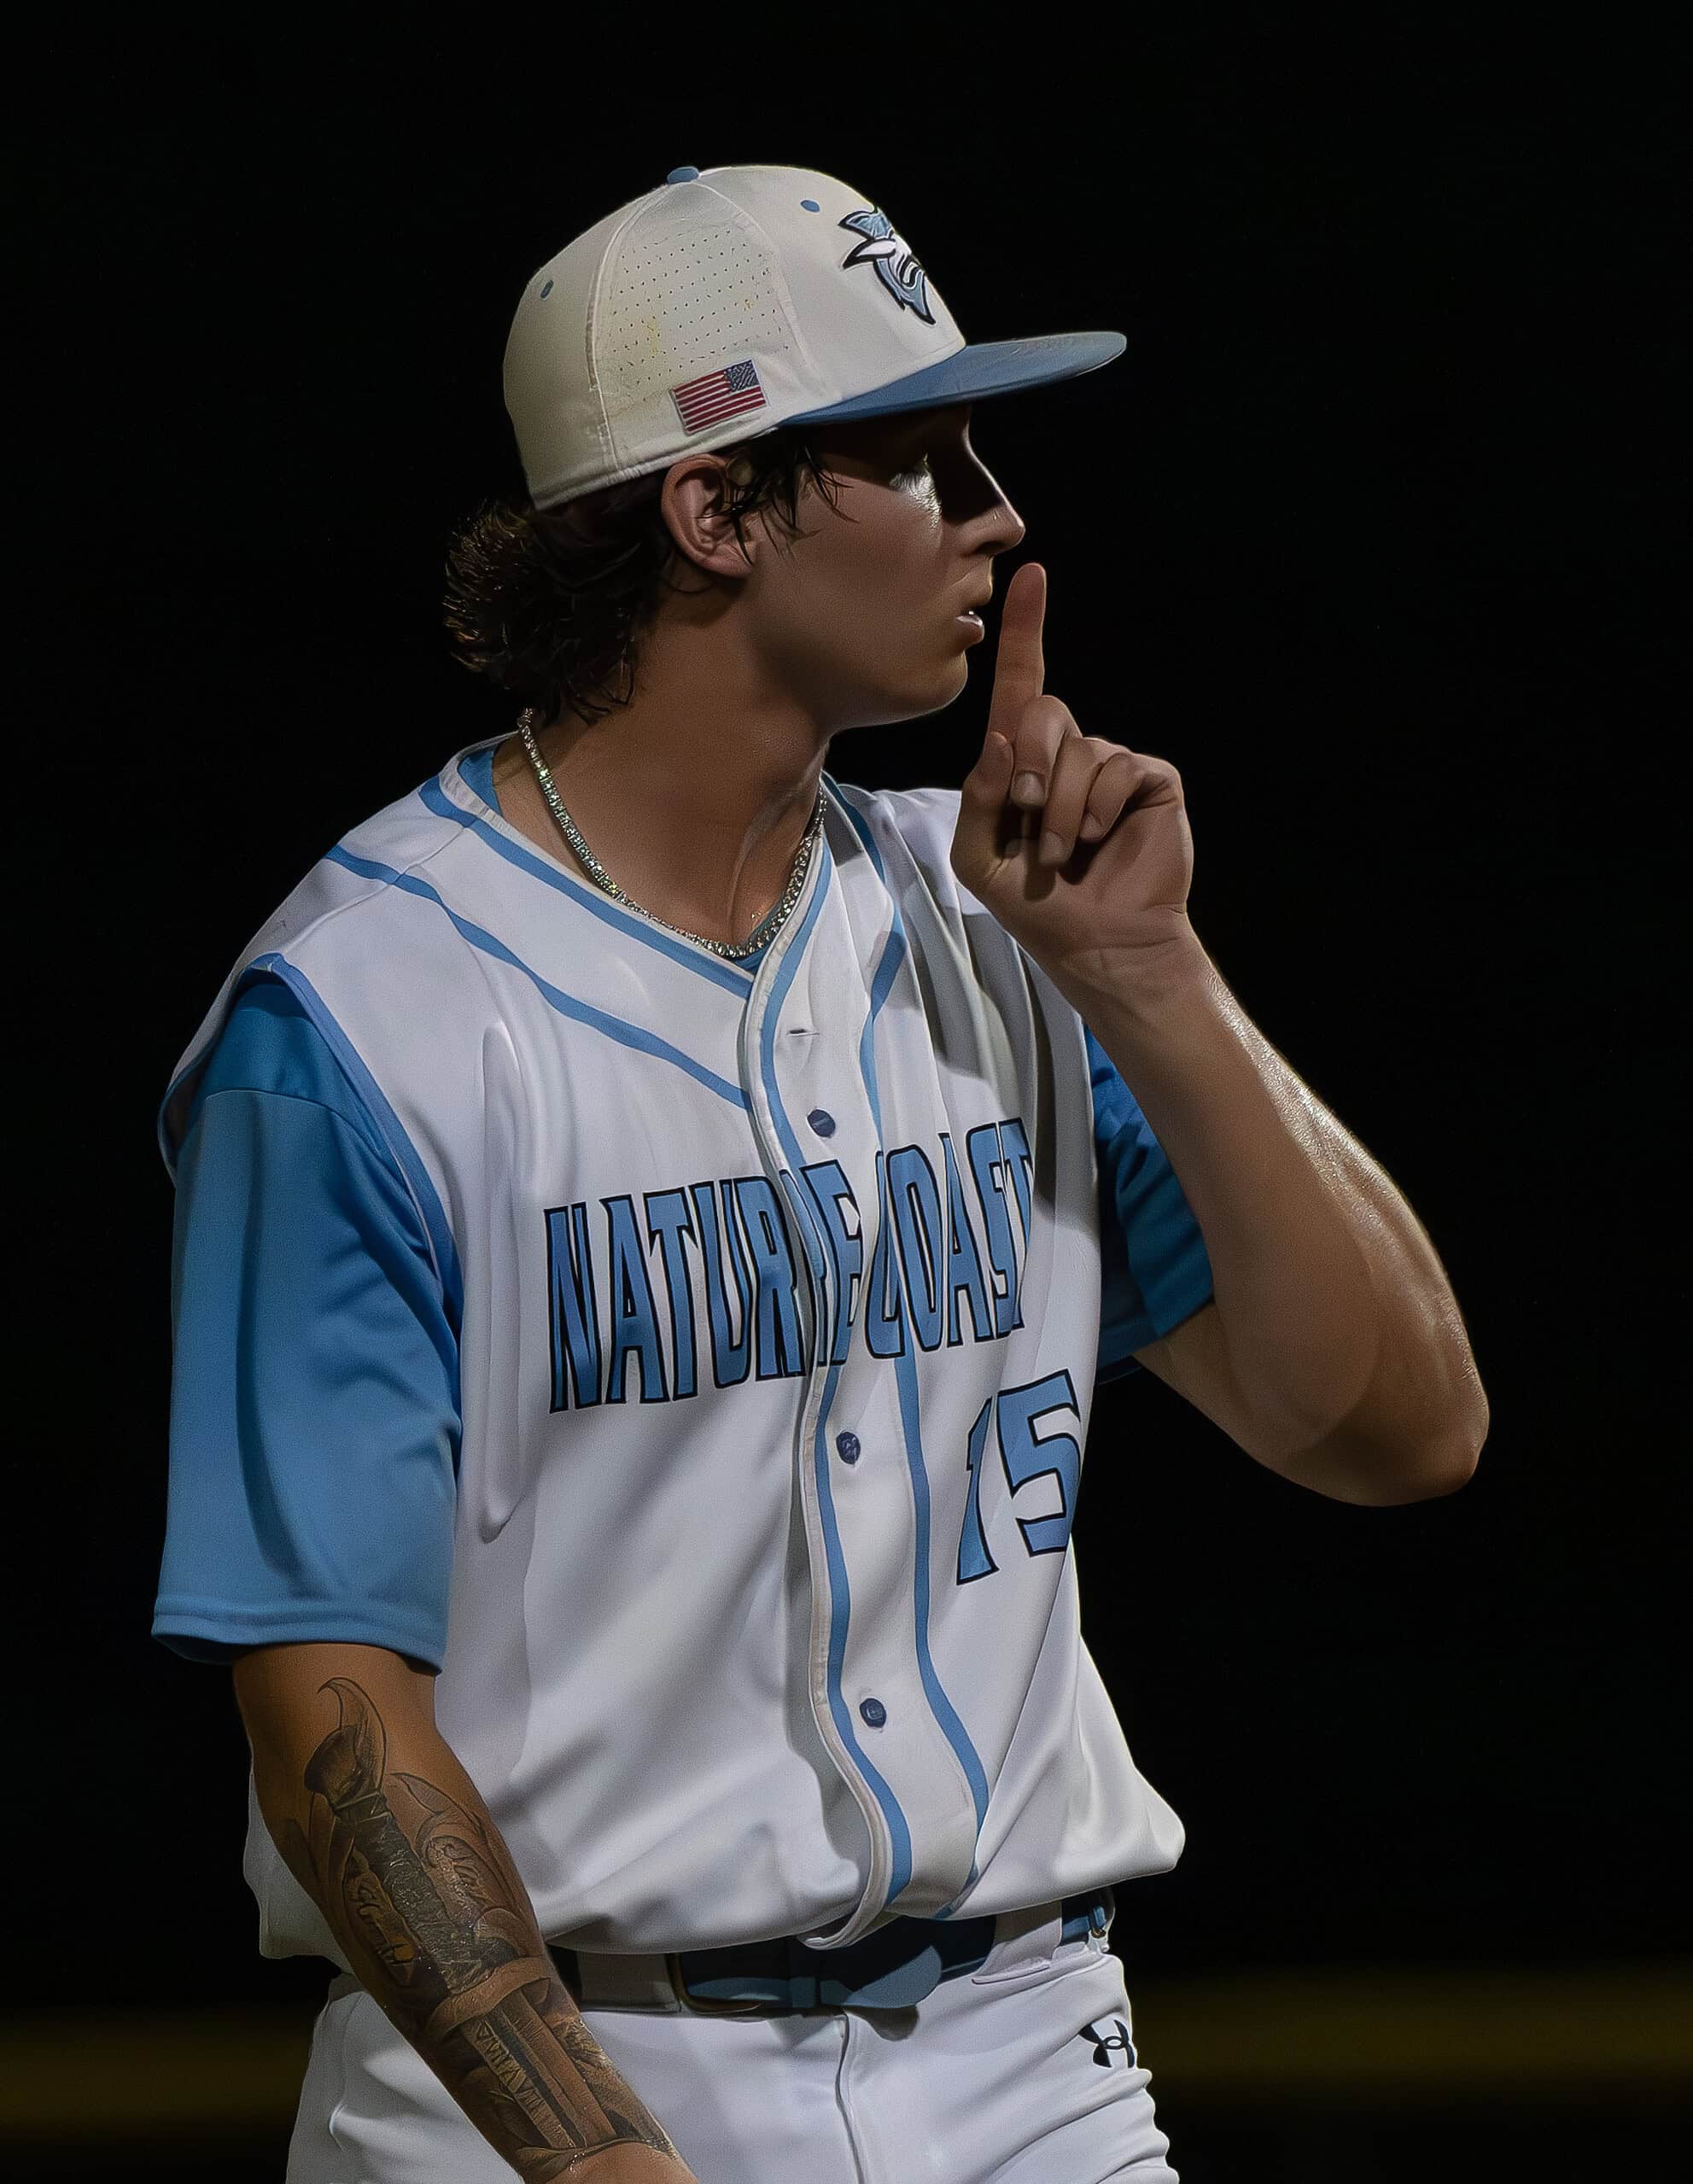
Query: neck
(701, 829)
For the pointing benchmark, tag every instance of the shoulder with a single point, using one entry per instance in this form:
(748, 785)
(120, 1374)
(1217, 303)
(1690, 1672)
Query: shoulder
(377, 913)
(269, 1045)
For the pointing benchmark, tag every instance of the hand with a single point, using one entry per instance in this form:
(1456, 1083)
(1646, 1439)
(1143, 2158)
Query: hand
(1111, 908)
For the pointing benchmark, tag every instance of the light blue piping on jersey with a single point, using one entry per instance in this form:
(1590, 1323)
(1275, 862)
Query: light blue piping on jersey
(716, 968)
(612, 1027)
(940, 1705)
(840, 1603)
(898, 946)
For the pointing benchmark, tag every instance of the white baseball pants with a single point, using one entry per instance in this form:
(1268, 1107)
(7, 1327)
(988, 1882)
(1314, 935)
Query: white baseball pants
(1022, 2072)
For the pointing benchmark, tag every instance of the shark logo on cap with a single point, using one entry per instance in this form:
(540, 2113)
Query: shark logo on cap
(896, 268)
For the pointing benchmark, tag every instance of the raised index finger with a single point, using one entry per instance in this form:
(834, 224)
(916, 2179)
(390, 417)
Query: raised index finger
(1019, 664)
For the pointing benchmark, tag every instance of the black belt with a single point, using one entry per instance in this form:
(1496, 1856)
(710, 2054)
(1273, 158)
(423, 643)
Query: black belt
(892, 1968)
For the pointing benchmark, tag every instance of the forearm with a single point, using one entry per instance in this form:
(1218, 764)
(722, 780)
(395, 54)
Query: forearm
(381, 1825)
(1340, 1327)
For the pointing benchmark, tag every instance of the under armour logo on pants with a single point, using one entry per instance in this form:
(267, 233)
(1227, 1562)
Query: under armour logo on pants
(1104, 2042)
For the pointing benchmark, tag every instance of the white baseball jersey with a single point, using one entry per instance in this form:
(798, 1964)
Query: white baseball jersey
(774, 1291)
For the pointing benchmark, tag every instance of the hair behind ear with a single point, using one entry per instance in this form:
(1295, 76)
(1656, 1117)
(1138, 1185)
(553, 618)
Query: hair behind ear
(548, 604)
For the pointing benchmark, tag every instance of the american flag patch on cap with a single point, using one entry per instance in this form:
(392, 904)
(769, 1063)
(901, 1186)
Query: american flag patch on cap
(719, 394)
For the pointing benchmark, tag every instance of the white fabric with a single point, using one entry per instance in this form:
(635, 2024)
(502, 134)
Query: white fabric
(760, 264)
(672, 1594)
(1024, 2072)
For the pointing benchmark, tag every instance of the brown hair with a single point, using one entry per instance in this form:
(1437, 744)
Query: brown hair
(549, 603)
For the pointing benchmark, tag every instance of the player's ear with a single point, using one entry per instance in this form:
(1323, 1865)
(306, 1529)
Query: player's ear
(694, 505)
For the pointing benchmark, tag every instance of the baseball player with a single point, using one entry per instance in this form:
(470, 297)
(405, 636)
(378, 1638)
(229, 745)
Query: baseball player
(650, 1219)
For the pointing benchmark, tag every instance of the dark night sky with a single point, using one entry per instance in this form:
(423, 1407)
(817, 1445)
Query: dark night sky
(1367, 531)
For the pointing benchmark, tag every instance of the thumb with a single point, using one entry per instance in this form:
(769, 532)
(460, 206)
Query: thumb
(981, 807)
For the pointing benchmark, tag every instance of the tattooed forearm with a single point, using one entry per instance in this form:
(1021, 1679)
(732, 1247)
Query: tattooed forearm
(422, 1895)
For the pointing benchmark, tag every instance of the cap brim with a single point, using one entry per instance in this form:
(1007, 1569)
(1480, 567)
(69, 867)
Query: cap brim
(981, 369)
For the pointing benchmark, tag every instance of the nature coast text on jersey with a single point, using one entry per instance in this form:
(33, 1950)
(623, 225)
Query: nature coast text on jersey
(933, 1257)
(776, 1288)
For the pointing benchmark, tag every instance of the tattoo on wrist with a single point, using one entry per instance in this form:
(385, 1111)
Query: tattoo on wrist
(438, 1926)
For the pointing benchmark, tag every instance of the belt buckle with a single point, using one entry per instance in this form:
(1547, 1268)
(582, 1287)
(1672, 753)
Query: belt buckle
(713, 2005)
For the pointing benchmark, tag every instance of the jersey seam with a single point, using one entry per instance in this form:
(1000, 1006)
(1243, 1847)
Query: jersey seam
(371, 1139)
(196, 1616)
(206, 1604)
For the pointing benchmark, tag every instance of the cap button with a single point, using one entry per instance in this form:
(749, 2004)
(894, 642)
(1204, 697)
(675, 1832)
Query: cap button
(683, 174)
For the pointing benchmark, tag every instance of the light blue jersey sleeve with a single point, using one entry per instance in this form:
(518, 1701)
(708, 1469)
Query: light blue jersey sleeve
(1154, 1270)
(315, 1422)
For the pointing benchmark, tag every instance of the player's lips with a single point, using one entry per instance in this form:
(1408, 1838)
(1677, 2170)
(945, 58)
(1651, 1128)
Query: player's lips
(970, 618)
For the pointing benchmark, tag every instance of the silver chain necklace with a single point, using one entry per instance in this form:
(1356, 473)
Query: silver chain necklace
(766, 930)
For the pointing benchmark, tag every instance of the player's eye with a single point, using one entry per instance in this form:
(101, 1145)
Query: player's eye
(913, 456)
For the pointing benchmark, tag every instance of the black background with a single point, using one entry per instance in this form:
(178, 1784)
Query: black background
(1369, 531)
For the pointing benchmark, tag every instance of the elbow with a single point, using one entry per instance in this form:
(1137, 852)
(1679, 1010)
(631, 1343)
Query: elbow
(1444, 1468)
(1373, 1474)
(1429, 1464)
(1464, 1444)
(1447, 1477)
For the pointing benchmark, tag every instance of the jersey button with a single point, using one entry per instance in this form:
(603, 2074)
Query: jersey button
(822, 1122)
(874, 1712)
(848, 1446)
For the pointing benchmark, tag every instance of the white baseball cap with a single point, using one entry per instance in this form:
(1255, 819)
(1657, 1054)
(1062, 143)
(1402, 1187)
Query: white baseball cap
(724, 304)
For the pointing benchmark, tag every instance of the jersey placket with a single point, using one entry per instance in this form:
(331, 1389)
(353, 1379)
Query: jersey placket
(927, 1819)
